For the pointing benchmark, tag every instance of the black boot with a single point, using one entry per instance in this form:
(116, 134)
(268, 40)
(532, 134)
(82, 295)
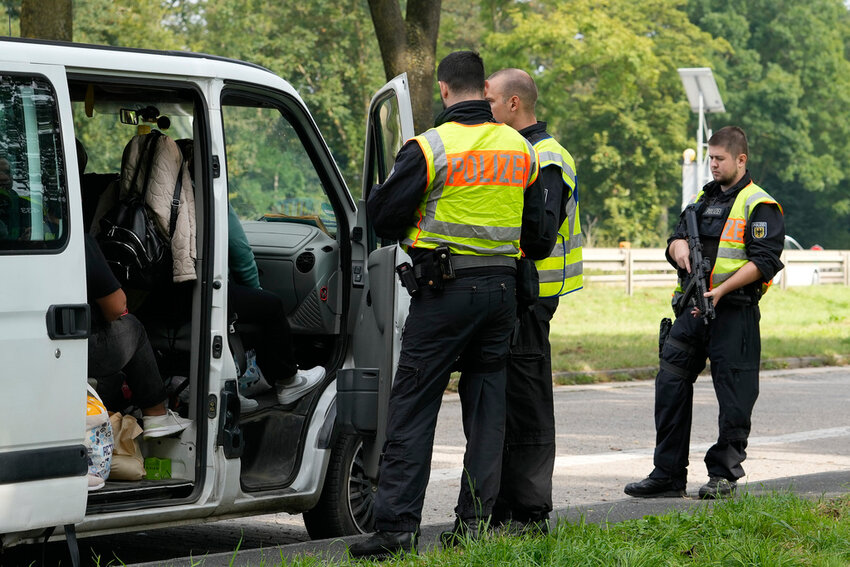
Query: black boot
(717, 487)
(385, 544)
(463, 531)
(656, 488)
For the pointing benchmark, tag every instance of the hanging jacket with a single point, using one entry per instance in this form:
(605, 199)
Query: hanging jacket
(166, 166)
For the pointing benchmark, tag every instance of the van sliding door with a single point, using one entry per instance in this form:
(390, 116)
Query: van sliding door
(43, 311)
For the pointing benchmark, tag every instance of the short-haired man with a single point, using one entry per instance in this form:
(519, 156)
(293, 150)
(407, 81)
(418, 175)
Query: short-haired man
(742, 232)
(525, 496)
(464, 190)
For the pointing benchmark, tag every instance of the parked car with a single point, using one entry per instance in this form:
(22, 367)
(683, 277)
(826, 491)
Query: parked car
(798, 273)
(254, 143)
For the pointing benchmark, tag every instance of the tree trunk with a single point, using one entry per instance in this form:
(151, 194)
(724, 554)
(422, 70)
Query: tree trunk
(410, 45)
(47, 19)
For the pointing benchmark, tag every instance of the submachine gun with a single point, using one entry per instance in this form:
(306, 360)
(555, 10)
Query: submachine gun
(697, 284)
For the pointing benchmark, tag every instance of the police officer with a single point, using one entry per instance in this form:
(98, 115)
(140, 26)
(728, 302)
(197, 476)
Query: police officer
(525, 496)
(461, 197)
(742, 232)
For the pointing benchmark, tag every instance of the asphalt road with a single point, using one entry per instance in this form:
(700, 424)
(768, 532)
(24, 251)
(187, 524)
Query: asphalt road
(800, 439)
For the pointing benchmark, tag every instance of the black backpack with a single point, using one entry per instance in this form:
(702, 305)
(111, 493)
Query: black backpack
(138, 253)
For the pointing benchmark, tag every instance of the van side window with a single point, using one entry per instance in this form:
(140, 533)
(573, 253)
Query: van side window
(33, 189)
(388, 121)
(385, 140)
(269, 172)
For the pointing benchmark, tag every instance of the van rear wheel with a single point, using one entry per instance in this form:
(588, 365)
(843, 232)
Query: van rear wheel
(346, 506)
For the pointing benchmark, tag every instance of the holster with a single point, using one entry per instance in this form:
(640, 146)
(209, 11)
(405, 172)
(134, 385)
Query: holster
(436, 268)
(428, 274)
(527, 284)
(663, 333)
(408, 279)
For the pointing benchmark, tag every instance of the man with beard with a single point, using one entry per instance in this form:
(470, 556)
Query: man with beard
(742, 232)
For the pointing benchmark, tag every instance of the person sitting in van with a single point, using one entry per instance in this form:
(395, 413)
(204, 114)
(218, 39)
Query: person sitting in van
(14, 225)
(254, 306)
(5, 197)
(119, 343)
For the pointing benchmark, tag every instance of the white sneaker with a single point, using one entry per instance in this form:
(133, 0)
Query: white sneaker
(247, 405)
(95, 482)
(301, 383)
(164, 425)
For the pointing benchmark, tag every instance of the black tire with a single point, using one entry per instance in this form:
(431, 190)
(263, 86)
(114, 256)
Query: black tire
(346, 506)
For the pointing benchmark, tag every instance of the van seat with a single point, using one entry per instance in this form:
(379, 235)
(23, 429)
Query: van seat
(93, 186)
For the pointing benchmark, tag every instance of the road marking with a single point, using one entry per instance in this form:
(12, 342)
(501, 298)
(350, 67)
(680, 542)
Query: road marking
(452, 453)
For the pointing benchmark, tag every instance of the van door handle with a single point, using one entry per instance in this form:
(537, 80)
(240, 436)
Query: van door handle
(66, 322)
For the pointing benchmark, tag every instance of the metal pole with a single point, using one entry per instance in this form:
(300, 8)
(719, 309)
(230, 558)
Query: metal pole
(700, 131)
(689, 177)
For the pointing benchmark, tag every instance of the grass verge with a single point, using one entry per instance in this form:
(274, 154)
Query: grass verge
(598, 331)
(778, 529)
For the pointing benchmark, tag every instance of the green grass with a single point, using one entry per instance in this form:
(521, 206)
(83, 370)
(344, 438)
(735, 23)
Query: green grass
(778, 529)
(601, 328)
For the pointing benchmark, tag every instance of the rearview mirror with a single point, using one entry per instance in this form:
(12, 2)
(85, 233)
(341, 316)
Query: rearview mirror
(129, 116)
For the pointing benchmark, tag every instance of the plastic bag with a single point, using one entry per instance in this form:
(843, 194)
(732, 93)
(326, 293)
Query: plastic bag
(127, 460)
(98, 440)
(252, 381)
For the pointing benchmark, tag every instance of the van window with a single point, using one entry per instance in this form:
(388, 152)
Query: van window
(33, 198)
(388, 136)
(385, 140)
(270, 175)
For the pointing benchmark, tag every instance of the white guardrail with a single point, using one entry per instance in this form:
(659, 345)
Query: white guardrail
(648, 267)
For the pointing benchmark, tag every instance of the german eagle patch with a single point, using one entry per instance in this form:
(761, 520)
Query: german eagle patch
(759, 229)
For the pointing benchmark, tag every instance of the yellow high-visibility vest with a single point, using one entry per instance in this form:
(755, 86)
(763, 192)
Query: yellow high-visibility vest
(477, 175)
(561, 273)
(731, 252)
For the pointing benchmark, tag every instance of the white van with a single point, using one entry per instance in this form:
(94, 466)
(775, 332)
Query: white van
(254, 144)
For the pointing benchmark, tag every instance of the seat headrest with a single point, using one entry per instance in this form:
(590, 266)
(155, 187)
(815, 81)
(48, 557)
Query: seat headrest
(82, 156)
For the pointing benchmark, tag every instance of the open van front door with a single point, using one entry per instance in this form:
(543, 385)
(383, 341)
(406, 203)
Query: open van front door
(384, 303)
(44, 317)
(379, 307)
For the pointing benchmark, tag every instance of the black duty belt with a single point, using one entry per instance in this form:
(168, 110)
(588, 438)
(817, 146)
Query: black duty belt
(740, 299)
(461, 262)
(465, 265)
(472, 264)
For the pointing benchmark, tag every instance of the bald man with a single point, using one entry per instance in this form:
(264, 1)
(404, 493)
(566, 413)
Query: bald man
(525, 496)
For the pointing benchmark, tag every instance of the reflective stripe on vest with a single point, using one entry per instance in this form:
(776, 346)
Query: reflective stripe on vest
(561, 272)
(731, 252)
(731, 255)
(473, 200)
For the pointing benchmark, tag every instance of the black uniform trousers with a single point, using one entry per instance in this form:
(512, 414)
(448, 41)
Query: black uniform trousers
(261, 320)
(733, 344)
(469, 322)
(529, 454)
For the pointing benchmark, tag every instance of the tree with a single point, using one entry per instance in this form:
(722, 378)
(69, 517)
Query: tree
(609, 90)
(332, 61)
(47, 19)
(413, 50)
(787, 83)
(11, 23)
(127, 23)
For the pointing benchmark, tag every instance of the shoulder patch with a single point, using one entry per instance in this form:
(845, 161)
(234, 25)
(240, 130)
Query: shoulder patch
(759, 229)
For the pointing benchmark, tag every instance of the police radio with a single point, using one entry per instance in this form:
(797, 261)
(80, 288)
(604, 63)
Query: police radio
(407, 277)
